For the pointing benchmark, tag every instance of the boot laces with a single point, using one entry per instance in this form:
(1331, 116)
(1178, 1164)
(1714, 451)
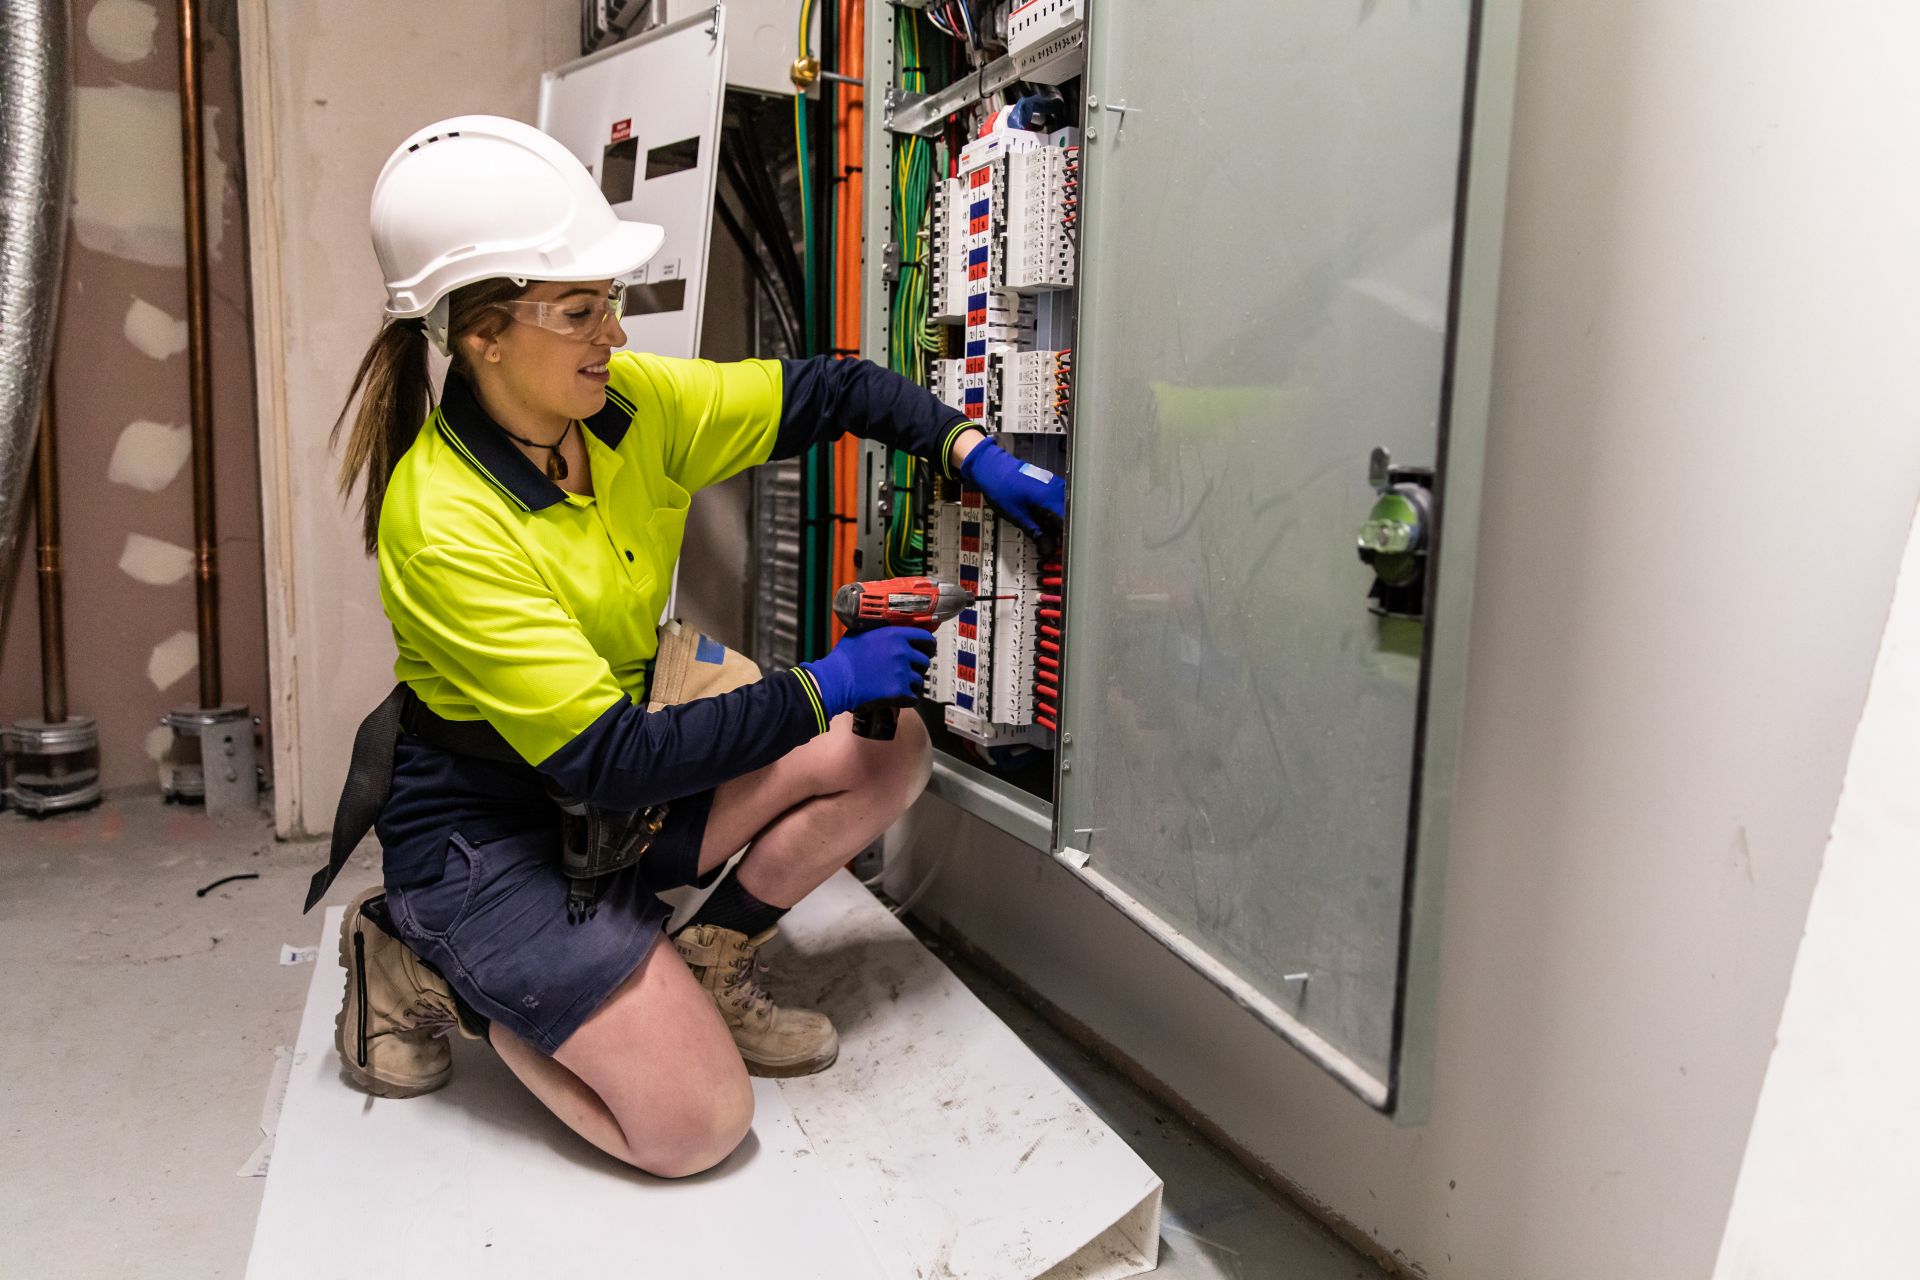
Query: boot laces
(745, 981)
(433, 1015)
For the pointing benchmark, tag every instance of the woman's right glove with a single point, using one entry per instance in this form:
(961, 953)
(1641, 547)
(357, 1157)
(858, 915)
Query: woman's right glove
(886, 664)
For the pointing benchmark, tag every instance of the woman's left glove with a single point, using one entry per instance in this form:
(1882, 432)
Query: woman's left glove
(1020, 491)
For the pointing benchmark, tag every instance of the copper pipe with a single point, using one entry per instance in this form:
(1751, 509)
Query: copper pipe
(200, 362)
(53, 637)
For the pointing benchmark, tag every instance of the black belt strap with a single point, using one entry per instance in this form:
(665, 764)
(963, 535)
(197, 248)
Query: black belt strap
(457, 737)
(370, 771)
(369, 777)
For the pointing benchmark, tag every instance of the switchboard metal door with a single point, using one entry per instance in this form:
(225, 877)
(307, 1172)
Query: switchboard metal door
(1287, 264)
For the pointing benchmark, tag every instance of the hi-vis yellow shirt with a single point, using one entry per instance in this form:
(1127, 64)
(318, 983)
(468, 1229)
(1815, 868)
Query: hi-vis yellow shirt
(535, 609)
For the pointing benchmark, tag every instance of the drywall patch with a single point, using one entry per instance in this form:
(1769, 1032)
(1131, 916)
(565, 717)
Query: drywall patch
(172, 658)
(149, 455)
(153, 332)
(127, 197)
(122, 30)
(154, 561)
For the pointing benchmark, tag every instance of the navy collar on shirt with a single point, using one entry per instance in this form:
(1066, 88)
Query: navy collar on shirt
(484, 443)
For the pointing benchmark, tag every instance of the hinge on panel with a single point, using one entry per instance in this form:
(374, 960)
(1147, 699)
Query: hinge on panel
(890, 262)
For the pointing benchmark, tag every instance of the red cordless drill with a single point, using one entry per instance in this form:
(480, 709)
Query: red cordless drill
(895, 602)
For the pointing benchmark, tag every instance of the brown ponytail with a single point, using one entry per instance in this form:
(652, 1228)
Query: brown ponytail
(395, 389)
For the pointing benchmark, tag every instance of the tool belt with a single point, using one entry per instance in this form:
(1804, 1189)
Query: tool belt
(594, 842)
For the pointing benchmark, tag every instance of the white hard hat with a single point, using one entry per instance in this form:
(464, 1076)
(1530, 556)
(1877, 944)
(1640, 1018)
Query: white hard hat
(477, 197)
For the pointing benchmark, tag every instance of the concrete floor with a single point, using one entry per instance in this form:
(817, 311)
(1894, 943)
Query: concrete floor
(142, 1019)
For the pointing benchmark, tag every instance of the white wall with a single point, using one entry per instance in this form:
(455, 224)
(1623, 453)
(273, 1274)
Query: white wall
(1701, 468)
(1832, 1171)
(330, 90)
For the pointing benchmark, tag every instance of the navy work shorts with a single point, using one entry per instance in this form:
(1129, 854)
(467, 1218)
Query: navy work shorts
(494, 922)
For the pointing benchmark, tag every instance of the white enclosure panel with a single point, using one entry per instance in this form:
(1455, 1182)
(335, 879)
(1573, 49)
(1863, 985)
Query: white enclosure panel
(644, 116)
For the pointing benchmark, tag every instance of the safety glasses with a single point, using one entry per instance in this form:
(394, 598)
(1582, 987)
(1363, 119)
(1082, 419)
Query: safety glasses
(579, 318)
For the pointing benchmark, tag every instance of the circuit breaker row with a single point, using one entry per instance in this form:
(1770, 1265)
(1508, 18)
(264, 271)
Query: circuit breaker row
(1003, 232)
(1003, 237)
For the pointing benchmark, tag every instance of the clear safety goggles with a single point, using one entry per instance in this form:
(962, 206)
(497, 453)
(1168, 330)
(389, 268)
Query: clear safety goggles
(579, 318)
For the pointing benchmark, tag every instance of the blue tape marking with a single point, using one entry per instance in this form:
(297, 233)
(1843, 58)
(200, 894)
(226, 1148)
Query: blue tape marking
(977, 347)
(709, 650)
(964, 701)
(976, 256)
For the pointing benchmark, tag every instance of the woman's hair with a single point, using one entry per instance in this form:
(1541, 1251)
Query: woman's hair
(395, 391)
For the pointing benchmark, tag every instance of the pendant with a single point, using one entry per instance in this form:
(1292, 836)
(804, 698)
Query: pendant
(556, 467)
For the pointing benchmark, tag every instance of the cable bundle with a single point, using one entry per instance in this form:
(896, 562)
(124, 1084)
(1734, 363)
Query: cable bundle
(911, 338)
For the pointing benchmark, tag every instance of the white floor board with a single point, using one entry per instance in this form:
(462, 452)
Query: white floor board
(938, 1146)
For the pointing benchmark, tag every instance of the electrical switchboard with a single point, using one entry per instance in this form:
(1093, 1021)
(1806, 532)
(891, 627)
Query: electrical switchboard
(1235, 280)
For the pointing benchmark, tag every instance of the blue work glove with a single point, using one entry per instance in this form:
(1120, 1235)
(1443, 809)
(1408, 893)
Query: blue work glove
(886, 664)
(1020, 491)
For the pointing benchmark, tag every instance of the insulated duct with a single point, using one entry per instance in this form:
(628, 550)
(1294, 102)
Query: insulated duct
(35, 154)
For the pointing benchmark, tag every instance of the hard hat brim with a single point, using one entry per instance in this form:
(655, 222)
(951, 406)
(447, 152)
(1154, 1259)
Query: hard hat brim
(623, 251)
(625, 248)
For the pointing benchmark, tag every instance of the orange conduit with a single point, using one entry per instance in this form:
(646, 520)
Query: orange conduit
(850, 146)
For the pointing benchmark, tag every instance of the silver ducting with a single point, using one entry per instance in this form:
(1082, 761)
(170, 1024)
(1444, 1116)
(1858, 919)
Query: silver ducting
(35, 153)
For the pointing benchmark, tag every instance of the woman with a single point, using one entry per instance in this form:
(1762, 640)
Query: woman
(526, 530)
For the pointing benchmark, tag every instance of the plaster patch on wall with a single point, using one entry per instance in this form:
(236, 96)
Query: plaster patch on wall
(122, 30)
(172, 658)
(127, 196)
(155, 561)
(149, 455)
(153, 332)
(158, 742)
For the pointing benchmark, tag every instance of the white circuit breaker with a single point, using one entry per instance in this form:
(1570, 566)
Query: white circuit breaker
(1043, 186)
(1032, 391)
(1047, 39)
(948, 249)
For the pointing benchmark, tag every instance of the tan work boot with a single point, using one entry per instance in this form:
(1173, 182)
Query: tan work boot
(393, 1023)
(773, 1041)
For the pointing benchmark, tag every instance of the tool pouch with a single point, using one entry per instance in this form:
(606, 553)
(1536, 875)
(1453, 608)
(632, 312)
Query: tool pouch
(596, 842)
(691, 665)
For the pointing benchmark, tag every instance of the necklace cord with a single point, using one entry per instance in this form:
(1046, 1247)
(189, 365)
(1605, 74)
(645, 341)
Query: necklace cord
(556, 465)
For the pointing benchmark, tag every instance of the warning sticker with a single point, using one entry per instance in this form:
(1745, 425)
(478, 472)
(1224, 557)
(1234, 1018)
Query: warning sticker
(622, 130)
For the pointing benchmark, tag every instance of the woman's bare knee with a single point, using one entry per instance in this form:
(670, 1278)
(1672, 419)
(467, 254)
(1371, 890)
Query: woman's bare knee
(897, 767)
(694, 1137)
(910, 764)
